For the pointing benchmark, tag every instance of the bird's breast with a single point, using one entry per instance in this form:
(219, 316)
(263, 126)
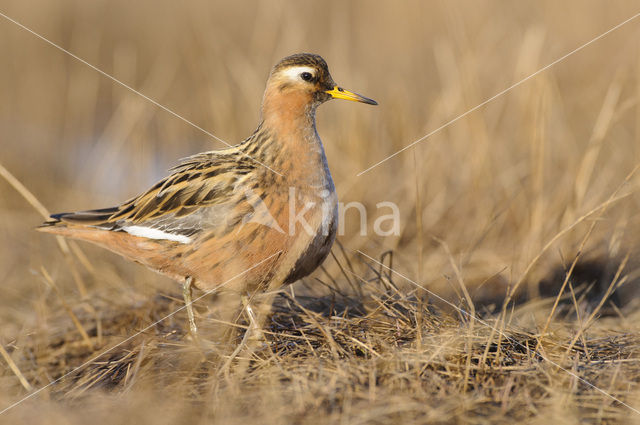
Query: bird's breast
(312, 225)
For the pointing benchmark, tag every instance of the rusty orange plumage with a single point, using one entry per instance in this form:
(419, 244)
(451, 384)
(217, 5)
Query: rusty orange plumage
(228, 213)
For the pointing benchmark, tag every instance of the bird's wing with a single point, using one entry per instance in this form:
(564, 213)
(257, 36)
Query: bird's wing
(175, 207)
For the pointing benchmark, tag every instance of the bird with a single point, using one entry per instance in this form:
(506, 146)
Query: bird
(255, 216)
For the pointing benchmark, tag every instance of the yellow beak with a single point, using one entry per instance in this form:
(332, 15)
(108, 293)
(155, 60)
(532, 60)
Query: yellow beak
(340, 93)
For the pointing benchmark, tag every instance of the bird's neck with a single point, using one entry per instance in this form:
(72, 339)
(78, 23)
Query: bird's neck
(289, 119)
(288, 113)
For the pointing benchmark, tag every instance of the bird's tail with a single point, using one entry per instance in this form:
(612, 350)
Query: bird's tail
(66, 224)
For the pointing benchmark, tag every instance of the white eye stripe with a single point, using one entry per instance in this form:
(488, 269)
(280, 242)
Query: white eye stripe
(294, 72)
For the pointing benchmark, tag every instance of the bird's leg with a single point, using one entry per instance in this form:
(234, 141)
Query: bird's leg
(248, 340)
(186, 293)
(255, 321)
(254, 338)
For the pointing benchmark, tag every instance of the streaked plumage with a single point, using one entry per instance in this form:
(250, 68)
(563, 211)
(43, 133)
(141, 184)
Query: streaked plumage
(220, 213)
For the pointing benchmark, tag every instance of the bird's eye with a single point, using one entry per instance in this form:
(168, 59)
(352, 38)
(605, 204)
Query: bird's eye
(307, 76)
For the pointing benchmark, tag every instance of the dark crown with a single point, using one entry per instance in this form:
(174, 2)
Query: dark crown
(303, 59)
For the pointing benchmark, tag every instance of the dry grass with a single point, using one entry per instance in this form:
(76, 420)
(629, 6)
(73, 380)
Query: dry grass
(523, 214)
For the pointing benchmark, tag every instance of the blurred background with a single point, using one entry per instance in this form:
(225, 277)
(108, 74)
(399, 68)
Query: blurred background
(480, 198)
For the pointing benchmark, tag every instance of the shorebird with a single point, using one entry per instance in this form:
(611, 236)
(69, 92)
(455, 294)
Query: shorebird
(259, 215)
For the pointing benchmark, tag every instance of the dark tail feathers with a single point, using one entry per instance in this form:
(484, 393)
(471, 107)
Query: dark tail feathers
(91, 217)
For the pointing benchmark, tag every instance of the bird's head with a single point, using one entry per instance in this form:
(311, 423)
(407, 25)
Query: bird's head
(301, 82)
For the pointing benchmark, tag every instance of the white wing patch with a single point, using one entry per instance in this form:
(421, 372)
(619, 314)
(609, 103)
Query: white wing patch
(294, 72)
(150, 233)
